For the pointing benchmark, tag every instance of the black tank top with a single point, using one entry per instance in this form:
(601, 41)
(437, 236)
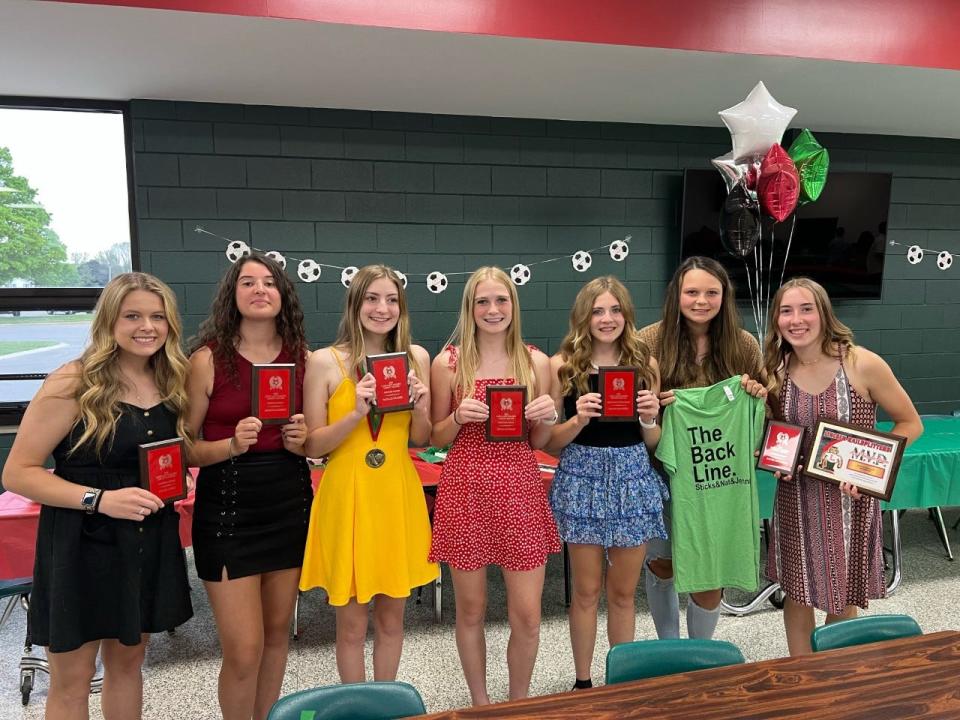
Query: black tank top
(601, 434)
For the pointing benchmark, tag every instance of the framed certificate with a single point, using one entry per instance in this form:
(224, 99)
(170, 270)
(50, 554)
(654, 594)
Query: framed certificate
(393, 389)
(781, 445)
(867, 459)
(506, 422)
(163, 469)
(618, 390)
(273, 398)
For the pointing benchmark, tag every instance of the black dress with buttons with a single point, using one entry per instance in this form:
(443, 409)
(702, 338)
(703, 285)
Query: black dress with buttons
(96, 577)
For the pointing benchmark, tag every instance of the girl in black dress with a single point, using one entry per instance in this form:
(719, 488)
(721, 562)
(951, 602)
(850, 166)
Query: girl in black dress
(109, 567)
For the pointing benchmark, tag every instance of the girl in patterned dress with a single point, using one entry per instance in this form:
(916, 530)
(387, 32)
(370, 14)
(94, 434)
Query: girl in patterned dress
(491, 505)
(606, 497)
(826, 550)
(369, 530)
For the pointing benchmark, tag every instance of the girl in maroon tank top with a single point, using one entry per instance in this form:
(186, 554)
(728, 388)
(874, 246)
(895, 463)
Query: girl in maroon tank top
(253, 493)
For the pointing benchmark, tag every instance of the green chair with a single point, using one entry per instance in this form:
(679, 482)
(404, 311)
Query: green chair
(653, 658)
(862, 630)
(357, 701)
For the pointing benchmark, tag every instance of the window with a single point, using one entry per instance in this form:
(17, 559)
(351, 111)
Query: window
(65, 230)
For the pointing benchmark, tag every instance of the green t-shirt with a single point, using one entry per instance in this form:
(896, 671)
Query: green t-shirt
(709, 435)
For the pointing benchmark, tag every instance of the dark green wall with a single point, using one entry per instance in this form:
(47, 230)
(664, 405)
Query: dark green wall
(431, 192)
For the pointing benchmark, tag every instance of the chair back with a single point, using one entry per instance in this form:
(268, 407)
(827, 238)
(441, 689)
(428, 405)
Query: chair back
(357, 701)
(653, 658)
(862, 630)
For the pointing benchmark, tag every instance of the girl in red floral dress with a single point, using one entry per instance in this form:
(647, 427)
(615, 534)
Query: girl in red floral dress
(491, 504)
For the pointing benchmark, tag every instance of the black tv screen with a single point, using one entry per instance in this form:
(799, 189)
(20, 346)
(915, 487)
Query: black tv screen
(840, 240)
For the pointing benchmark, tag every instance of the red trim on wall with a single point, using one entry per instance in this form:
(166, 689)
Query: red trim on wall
(922, 33)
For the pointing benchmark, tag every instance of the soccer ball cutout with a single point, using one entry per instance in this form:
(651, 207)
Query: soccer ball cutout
(944, 260)
(436, 282)
(403, 278)
(914, 254)
(619, 250)
(237, 249)
(278, 258)
(581, 261)
(308, 271)
(520, 274)
(346, 277)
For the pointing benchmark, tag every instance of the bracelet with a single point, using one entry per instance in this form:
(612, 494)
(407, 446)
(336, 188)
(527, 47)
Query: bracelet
(457, 422)
(230, 454)
(647, 425)
(556, 416)
(96, 503)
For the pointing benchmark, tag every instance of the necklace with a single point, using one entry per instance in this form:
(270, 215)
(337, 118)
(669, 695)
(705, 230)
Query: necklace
(810, 362)
(597, 367)
(131, 385)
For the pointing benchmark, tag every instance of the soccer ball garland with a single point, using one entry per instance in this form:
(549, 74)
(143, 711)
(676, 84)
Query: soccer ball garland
(308, 270)
(914, 254)
(581, 261)
(436, 282)
(346, 276)
(237, 249)
(520, 274)
(944, 260)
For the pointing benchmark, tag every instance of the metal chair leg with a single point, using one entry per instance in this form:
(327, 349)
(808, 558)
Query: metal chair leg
(566, 576)
(296, 617)
(937, 518)
(438, 595)
(895, 552)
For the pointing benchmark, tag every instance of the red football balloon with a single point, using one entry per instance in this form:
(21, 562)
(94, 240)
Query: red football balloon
(778, 188)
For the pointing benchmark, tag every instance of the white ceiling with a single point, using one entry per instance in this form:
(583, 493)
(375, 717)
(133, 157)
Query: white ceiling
(99, 52)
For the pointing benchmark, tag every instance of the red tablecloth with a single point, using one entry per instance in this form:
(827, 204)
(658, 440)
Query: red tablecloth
(19, 516)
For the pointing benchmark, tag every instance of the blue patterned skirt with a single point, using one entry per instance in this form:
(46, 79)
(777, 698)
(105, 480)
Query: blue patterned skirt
(608, 496)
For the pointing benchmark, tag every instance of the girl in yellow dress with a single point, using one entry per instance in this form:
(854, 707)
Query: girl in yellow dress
(369, 531)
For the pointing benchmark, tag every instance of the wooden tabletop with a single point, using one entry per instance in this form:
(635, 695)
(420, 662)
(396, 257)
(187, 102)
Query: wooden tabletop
(909, 678)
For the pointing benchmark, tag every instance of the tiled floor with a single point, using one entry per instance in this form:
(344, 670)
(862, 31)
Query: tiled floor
(181, 669)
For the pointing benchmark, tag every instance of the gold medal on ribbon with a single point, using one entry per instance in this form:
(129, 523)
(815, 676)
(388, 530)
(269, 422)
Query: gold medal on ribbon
(376, 458)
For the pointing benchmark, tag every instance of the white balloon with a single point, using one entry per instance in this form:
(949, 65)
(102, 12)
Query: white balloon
(756, 123)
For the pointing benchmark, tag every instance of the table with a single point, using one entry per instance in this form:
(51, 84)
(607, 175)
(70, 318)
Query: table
(907, 678)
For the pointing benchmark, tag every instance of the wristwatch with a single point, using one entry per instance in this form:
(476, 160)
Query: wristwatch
(90, 501)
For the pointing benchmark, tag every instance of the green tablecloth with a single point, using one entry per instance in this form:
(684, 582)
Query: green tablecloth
(929, 474)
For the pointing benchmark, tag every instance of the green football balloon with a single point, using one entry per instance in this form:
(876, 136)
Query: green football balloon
(812, 161)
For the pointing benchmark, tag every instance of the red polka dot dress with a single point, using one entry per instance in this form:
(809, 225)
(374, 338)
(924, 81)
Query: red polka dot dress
(491, 504)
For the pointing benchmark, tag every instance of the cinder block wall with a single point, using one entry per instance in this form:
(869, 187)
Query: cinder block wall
(447, 193)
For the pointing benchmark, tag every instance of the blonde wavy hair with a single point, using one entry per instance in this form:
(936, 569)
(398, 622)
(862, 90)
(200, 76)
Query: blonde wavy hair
(836, 338)
(101, 383)
(350, 332)
(576, 349)
(465, 336)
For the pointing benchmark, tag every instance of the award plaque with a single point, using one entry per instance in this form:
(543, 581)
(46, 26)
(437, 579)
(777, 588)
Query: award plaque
(618, 390)
(390, 370)
(866, 458)
(780, 449)
(506, 422)
(163, 469)
(273, 392)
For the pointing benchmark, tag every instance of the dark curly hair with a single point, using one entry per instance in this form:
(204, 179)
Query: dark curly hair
(221, 330)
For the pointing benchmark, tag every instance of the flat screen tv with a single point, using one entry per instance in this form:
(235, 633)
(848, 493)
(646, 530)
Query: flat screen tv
(840, 240)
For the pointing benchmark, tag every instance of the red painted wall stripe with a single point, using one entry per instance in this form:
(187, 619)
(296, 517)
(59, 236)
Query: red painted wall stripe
(922, 33)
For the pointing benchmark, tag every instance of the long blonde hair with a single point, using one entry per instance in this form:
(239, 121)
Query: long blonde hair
(577, 346)
(835, 336)
(678, 352)
(465, 337)
(350, 332)
(101, 383)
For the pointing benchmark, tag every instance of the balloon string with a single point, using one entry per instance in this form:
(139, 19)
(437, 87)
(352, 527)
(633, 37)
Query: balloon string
(773, 244)
(793, 223)
(758, 265)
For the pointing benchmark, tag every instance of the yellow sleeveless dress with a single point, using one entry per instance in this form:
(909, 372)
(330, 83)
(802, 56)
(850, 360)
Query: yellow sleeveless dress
(369, 530)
